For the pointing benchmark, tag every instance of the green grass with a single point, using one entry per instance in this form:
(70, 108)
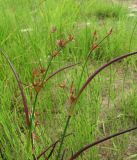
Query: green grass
(106, 106)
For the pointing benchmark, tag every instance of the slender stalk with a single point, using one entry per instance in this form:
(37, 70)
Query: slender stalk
(43, 152)
(62, 137)
(52, 145)
(33, 110)
(34, 105)
(24, 100)
(59, 70)
(102, 68)
(51, 152)
(54, 73)
(62, 157)
(47, 69)
(90, 52)
(36, 96)
(88, 146)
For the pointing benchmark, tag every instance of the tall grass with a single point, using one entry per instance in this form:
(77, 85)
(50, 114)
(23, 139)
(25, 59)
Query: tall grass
(27, 36)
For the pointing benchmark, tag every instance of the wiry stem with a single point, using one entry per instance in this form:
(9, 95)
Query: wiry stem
(51, 146)
(24, 100)
(102, 68)
(62, 137)
(89, 54)
(63, 155)
(59, 70)
(51, 152)
(34, 105)
(88, 146)
(54, 73)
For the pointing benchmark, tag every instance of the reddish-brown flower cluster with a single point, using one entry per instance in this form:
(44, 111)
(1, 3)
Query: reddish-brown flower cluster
(54, 53)
(94, 46)
(37, 75)
(70, 37)
(72, 96)
(61, 43)
(110, 32)
(38, 85)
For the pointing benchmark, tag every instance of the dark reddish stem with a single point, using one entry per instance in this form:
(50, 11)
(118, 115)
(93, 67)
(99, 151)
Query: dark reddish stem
(51, 146)
(102, 68)
(54, 73)
(59, 70)
(51, 152)
(24, 100)
(63, 155)
(88, 146)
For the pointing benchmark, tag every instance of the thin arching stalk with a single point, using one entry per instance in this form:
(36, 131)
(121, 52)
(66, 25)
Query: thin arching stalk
(102, 68)
(91, 77)
(24, 100)
(88, 146)
(51, 146)
(89, 54)
(63, 155)
(59, 70)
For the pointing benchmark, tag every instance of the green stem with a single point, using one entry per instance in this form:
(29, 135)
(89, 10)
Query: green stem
(35, 102)
(90, 52)
(33, 111)
(36, 96)
(63, 136)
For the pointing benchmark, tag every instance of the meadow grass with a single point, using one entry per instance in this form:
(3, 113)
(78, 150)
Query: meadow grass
(106, 106)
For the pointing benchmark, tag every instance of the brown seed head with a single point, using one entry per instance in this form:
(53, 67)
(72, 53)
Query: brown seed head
(72, 100)
(42, 70)
(54, 53)
(94, 46)
(110, 32)
(35, 73)
(70, 37)
(37, 86)
(61, 43)
(95, 33)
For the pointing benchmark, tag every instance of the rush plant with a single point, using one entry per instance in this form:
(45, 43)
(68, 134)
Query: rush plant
(41, 76)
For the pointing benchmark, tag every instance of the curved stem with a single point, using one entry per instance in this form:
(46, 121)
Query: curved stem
(51, 146)
(90, 52)
(24, 100)
(102, 68)
(59, 70)
(88, 146)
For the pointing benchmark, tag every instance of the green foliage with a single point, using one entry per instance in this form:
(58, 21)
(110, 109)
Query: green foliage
(25, 34)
